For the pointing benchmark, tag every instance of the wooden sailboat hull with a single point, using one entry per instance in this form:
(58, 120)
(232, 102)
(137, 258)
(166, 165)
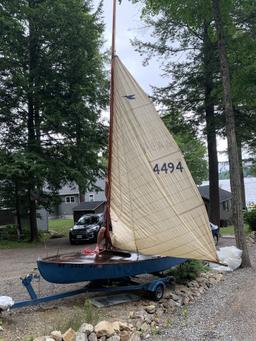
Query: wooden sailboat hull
(76, 267)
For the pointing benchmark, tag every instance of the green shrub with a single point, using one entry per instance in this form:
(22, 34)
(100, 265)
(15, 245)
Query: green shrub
(73, 320)
(92, 315)
(9, 233)
(250, 219)
(188, 271)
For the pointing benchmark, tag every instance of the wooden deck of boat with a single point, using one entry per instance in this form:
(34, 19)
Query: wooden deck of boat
(106, 257)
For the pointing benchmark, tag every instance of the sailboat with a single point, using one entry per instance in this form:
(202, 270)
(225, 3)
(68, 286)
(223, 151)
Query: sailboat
(157, 214)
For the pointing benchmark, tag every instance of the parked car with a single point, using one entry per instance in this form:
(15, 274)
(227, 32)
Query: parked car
(86, 229)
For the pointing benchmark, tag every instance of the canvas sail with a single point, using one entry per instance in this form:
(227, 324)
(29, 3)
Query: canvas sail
(155, 206)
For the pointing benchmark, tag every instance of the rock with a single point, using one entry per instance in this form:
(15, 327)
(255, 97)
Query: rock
(182, 288)
(212, 280)
(144, 327)
(177, 303)
(114, 338)
(125, 326)
(104, 328)
(43, 338)
(124, 335)
(92, 337)
(203, 274)
(148, 320)
(174, 297)
(201, 280)
(86, 328)
(138, 324)
(183, 291)
(56, 335)
(135, 337)
(131, 315)
(186, 300)
(219, 277)
(159, 313)
(103, 338)
(151, 309)
(140, 314)
(166, 305)
(69, 335)
(116, 326)
(193, 284)
(1, 329)
(167, 293)
(81, 337)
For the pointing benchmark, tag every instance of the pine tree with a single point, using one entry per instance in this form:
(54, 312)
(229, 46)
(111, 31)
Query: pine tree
(52, 89)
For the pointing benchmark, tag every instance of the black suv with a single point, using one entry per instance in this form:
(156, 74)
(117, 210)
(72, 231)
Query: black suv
(86, 229)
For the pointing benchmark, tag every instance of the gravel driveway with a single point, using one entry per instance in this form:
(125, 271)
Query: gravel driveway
(225, 312)
(16, 263)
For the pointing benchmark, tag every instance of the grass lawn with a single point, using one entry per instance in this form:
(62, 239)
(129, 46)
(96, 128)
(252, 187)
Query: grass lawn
(229, 230)
(13, 244)
(60, 226)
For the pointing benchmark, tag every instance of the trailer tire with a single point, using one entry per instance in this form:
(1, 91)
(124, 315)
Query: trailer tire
(158, 292)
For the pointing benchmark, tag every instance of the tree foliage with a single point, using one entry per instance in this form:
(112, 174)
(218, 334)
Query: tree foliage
(192, 148)
(196, 85)
(52, 90)
(184, 40)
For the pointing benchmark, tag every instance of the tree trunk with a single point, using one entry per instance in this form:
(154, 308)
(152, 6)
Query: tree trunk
(32, 217)
(208, 60)
(32, 108)
(81, 194)
(239, 146)
(235, 179)
(18, 218)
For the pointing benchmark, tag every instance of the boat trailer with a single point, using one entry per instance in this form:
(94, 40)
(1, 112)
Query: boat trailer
(155, 288)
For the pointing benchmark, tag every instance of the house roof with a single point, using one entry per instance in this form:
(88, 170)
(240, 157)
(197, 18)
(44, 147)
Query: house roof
(88, 206)
(69, 189)
(224, 195)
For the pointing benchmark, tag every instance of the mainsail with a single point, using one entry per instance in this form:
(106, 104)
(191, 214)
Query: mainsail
(155, 206)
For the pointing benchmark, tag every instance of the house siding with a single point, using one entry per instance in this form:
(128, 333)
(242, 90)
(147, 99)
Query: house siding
(66, 209)
(98, 195)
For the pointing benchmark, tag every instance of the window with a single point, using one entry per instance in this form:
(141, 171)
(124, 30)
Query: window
(91, 197)
(69, 199)
(225, 205)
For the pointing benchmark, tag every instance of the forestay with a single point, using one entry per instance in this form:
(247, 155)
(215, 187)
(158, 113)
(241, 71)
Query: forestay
(155, 206)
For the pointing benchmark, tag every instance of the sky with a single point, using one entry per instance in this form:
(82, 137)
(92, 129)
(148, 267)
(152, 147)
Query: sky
(128, 26)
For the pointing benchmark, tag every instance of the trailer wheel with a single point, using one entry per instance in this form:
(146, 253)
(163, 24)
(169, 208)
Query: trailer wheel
(158, 293)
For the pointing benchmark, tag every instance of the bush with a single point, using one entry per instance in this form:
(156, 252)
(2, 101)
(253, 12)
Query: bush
(250, 219)
(188, 271)
(9, 233)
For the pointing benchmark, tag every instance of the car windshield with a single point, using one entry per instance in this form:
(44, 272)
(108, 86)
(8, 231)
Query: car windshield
(88, 220)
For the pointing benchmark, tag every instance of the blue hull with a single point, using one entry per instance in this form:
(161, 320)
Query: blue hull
(79, 268)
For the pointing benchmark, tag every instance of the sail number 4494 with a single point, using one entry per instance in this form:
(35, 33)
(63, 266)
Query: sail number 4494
(168, 167)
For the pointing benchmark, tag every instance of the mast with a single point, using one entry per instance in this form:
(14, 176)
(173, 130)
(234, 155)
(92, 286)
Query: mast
(110, 137)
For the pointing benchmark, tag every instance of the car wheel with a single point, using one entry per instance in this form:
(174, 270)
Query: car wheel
(71, 242)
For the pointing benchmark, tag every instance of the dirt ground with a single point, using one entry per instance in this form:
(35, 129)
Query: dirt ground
(19, 324)
(239, 305)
